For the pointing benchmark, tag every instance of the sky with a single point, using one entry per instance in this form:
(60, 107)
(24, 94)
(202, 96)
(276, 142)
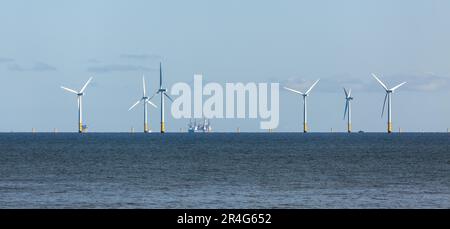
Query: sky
(46, 44)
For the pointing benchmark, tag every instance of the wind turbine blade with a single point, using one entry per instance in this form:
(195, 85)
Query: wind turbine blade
(379, 81)
(346, 107)
(134, 105)
(143, 85)
(69, 90)
(153, 95)
(298, 92)
(168, 97)
(393, 89)
(349, 93)
(85, 85)
(314, 84)
(152, 103)
(384, 104)
(346, 94)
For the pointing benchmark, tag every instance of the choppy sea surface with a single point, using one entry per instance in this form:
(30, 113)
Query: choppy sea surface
(224, 170)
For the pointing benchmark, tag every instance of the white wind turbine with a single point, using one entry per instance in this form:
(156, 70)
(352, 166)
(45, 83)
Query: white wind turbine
(348, 109)
(305, 123)
(79, 100)
(388, 97)
(144, 100)
(162, 92)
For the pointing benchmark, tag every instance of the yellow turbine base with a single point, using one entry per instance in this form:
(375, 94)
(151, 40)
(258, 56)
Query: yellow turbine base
(305, 127)
(145, 127)
(389, 127)
(80, 127)
(349, 128)
(163, 127)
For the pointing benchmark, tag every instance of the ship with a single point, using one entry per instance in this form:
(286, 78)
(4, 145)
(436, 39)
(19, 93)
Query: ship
(201, 127)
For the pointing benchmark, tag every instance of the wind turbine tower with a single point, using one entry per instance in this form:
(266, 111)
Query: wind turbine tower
(388, 98)
(144, 100)
(348, 109)
(305, 113)
(162, 91)
(80, 105)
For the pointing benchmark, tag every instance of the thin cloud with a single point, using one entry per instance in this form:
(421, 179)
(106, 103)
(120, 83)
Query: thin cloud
(37, 67)
(6, 60)
(42, 67)
(352, 83)
(118, 68)
(93, 61)
(426, 82)
(298, 83)
(325, 84)
(139, 56)
(16, 67)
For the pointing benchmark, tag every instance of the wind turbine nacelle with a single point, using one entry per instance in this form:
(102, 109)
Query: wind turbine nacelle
(80, 94)
(162, 90)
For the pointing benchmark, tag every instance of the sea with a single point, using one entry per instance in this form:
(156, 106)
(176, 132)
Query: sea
(224, 170)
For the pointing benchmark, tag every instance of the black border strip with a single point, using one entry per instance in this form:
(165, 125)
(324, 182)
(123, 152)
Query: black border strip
(134, 217)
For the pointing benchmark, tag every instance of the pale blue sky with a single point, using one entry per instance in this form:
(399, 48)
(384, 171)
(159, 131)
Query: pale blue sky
(45, 44)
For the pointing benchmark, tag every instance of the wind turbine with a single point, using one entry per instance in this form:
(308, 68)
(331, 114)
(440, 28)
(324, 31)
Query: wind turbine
(348, 109)
(79, 100)
(162, 92)
(305, 123)
(388, 97)
(144, 100)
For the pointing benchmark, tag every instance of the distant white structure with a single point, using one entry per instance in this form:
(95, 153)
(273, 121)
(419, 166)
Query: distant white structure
(305, 122)
(204, 126)
(81, 127)
(388, 97)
